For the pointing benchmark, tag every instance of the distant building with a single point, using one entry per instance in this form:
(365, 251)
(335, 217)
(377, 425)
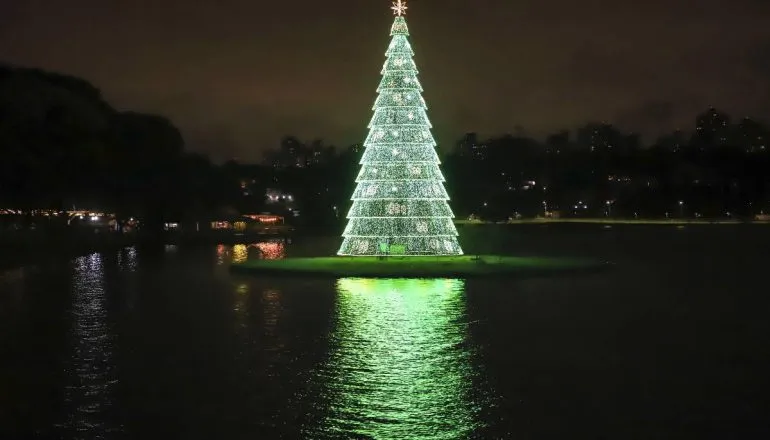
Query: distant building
(275, 196)
(292, 152)
(318, 153)
(600, 137)
(675, 141)
(356, 148)
(752, 136)
(558, 142)
(267, 219)
(712, 127)
(247, 186)
(469, 146)
(260, 224)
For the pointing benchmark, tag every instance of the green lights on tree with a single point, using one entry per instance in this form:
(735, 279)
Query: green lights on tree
(400, 206)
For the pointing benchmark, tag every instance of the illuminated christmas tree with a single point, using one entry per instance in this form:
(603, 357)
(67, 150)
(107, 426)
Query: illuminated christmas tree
(400, 206)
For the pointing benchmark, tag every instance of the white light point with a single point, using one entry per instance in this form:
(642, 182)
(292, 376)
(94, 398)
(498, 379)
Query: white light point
(399, 7)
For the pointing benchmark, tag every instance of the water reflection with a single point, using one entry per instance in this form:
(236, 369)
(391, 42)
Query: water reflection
(128, 263)
(271, 250)
(242, 310)
(400, 366)
(222, 254)
(91, 378)
(127, 260)
(271, 310)
(238, 253)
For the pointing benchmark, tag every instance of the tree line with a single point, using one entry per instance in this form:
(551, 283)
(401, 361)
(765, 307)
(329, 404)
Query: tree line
(63, 146)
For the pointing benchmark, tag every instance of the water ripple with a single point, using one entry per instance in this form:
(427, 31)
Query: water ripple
(400, 366)
(91, 381)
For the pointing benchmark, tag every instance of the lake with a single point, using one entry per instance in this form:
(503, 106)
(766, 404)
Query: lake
(165, 342)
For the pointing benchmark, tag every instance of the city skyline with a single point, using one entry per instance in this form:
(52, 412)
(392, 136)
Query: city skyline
(238, 76)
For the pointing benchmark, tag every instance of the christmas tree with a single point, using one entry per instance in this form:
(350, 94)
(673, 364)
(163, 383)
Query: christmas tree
(400, 206)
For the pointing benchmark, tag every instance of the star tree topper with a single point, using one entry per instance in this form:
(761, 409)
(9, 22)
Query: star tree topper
(399, 7)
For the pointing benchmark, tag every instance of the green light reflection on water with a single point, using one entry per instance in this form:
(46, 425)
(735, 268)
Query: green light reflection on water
(400, 366)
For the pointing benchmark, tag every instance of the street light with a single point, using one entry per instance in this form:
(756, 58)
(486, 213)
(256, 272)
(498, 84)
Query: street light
(609, 208)
(681, 208)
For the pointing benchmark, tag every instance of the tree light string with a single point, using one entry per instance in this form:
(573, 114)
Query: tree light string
(400, 205)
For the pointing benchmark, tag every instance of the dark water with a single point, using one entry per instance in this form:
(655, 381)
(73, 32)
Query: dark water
(164, 342)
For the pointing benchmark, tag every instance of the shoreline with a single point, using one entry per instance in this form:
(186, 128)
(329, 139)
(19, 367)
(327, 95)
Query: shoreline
(25, 248)
(612, 221)
(22, 249)
(417, 266)
(22, 253)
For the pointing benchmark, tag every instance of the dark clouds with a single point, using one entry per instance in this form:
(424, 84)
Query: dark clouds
(236, 75)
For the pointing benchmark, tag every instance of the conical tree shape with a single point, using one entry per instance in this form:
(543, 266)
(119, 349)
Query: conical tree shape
(400, 206)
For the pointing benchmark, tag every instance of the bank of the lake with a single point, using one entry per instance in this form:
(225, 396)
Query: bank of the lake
(31, 246)
(18, 248)
(459, 266)
(618, 221)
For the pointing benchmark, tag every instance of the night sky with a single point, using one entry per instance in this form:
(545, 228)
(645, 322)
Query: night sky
(236, 75)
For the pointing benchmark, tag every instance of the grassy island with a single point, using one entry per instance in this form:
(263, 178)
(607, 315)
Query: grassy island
(465, 266)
